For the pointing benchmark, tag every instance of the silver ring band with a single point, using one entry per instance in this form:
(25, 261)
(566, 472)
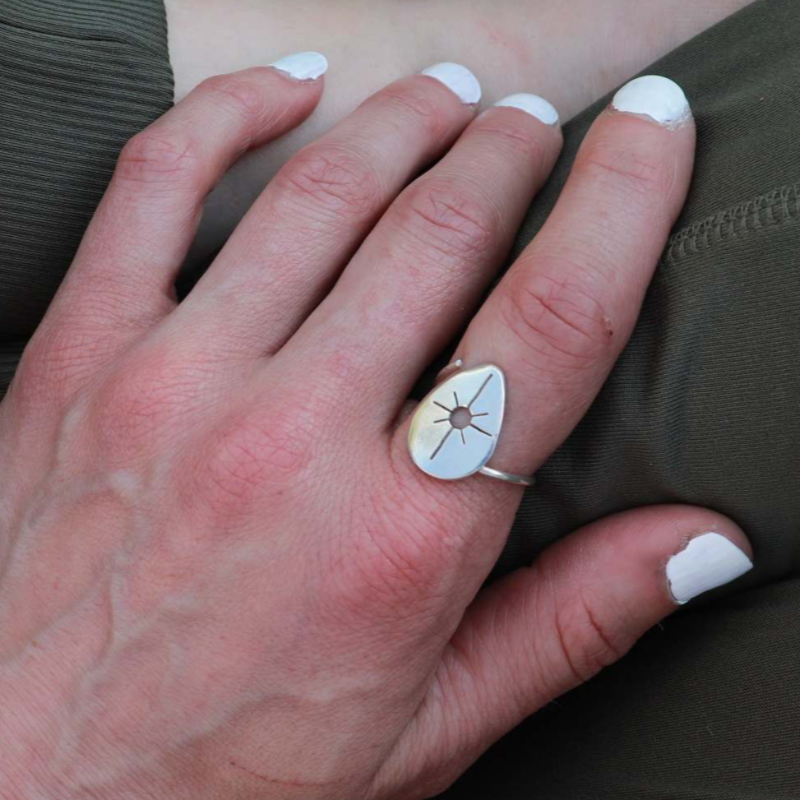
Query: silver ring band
(446, 441)
(518, 480)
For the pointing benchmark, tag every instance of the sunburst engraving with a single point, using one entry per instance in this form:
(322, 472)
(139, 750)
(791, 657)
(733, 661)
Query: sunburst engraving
(460, 418)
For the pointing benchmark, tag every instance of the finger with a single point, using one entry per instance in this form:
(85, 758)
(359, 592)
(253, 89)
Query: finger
(122, 278)
(413, 282)
(541, 631)
(299, 234)
(562, 314)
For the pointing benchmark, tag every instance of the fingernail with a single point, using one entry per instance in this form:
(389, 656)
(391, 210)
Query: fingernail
(458, 79)
(708, 561)
(532, 104)
(658, 98)
(302, 66)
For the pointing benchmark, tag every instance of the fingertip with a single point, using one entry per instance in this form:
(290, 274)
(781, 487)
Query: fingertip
(692, 550)
(709, 521)
(534, 106)
(650, 119)
(303, 67)
(655, 559)
(707, 560)
(656, 98)
(458, 79)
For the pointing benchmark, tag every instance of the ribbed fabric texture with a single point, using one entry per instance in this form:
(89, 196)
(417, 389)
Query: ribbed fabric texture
(77, 79)
(137, 22)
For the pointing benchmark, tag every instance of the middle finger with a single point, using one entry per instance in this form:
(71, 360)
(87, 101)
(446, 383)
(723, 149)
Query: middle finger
(426, 264)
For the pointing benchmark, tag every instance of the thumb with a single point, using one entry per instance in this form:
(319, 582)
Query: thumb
(542, 630)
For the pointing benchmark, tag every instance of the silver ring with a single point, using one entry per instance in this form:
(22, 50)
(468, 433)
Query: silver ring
(455, 429)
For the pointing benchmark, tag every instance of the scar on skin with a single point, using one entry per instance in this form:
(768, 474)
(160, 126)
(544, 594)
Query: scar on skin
(281, 781)
(515, 45)
(607, 323)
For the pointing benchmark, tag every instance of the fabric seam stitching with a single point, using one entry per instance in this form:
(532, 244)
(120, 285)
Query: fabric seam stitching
(768, 210)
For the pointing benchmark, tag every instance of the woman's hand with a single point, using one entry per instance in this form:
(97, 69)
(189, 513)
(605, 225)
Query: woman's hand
(223, 575)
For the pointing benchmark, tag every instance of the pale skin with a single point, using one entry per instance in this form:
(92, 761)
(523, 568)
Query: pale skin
(223, 577)
(571, 53)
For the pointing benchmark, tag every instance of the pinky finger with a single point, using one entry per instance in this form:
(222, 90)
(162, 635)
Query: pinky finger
(542, 631)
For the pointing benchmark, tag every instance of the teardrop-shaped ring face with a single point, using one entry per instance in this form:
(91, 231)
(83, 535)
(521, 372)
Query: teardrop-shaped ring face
(454, 430)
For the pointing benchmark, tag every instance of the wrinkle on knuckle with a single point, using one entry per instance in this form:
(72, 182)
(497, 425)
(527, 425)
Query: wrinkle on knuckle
(413, 103)
(160, 156)
(447, 220)
(556, 319)
(626, 172)
(328, 180)
(514, 138)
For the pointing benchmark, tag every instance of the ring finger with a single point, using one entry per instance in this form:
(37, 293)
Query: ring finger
(562, 314)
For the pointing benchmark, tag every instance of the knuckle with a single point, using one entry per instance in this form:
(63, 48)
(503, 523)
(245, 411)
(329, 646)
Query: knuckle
(37, 374)
(412, 103)
(159, 155)
(235, 94)
(631, 173)
(589, 637)
(55, 361)
(448, 220)
(244, 95)
(141, 401)
(511, 137)
(386, 574)
(392, 565)
(63, 355)
(557, 320)
(328, 179)
(406, 542)
(253, 454)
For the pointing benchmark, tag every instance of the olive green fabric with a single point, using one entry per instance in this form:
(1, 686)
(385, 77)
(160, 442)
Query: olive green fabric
(703, 407)
(77, 79)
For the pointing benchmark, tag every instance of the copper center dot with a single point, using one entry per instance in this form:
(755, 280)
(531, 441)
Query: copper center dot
(460, 418)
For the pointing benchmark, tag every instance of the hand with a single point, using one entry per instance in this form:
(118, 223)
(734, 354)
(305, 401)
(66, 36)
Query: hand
(223, 576)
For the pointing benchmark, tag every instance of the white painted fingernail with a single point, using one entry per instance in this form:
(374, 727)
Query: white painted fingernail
(658, 98)
(302, 66)
(532, 104)
(458, 79)
(708, 561)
